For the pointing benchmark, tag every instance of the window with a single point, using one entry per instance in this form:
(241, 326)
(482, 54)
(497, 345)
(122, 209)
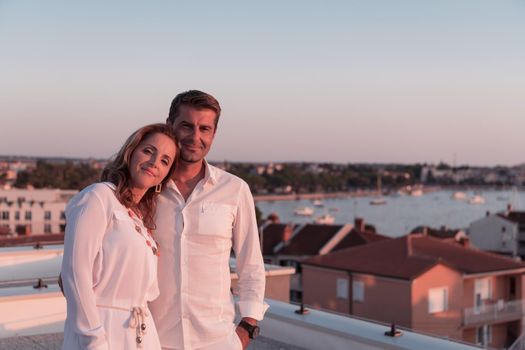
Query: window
(437, 300)
(358, 291)
(482, 292)
(47, 228)
(62, 215)
(4, 215)
(17, 215)
(28, 215)
(484, 335)
(512, 287)
(341, 286)
(47, 215)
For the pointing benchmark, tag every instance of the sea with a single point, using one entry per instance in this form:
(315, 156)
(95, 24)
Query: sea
(402, 213)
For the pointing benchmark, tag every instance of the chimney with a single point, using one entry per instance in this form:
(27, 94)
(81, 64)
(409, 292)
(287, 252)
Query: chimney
(465, 242)
(509, 208)
(273, 218)
(425, 230)
(359, 224)
(287, 233)
(409, 244)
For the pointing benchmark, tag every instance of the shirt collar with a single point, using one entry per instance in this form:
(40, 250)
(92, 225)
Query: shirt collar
(210, 173)
(210, 176)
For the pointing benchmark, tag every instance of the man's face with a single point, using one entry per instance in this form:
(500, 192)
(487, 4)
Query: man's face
(195, 130)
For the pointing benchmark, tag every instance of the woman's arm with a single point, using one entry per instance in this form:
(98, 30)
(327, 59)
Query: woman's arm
(86, 225)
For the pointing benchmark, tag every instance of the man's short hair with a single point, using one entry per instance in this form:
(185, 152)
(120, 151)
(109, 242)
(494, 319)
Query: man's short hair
(195, 99)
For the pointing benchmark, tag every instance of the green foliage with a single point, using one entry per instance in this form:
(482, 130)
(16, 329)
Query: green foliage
(63, 176)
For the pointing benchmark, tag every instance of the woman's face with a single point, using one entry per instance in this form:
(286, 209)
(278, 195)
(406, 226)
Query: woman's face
(151, 161)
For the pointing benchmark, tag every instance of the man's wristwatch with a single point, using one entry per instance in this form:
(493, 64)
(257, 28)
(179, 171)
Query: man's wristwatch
(253, 331)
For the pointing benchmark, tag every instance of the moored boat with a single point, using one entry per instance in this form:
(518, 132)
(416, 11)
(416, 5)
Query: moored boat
(304, 211)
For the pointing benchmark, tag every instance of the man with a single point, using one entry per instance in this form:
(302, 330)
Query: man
(201, 215)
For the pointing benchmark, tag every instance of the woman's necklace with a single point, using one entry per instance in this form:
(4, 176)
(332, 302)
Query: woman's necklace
(154, 248)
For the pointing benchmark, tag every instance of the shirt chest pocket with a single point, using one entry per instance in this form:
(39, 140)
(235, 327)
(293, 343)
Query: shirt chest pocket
(216, 219)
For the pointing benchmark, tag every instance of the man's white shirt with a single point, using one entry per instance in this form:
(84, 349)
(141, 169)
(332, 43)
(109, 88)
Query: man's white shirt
(195, 307)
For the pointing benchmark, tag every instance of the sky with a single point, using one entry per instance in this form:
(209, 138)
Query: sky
(373, 81)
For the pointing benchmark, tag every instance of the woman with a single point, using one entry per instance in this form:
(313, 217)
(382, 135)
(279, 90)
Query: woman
(109, 269)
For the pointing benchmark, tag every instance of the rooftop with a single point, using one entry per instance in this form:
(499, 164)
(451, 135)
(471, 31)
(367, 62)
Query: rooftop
(409, 256)
(309, 239)
(33, 318)
(514, 216)
(357, 237)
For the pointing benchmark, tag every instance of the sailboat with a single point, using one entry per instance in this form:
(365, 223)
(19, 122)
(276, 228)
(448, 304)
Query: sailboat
(379, 200)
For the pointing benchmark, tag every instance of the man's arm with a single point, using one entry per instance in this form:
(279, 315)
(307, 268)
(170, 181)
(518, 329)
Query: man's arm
(250, 264)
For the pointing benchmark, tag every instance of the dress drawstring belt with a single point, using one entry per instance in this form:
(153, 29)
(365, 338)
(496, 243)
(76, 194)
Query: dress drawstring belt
(137, 320)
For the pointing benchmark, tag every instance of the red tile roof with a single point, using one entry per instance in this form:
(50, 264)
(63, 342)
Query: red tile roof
(355, 238)
(273, 235)
(409, 256)
(442, 232)
(514, 216)
(309, 240)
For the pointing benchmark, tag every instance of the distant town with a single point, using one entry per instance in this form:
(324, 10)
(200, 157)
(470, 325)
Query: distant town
(276, 178)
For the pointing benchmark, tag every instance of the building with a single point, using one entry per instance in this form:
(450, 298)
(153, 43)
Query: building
(425, 284)
(502, 233)
(33, 211)
(287, 245)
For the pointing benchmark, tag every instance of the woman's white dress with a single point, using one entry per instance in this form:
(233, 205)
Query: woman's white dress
(108, 270)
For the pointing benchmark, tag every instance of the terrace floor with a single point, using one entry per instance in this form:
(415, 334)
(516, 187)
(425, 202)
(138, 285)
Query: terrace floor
(54, 342)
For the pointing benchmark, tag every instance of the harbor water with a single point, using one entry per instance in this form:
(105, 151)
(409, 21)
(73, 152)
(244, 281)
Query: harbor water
(401, 213)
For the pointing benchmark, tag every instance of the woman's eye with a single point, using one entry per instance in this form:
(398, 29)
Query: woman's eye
(147, 151)
(165, 162)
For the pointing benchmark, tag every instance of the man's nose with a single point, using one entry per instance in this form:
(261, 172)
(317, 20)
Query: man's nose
(196, 134)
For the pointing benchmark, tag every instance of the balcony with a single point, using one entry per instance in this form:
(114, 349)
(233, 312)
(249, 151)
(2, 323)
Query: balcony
(501, 311)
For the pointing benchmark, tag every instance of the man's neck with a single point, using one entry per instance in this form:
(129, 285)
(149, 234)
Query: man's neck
(187, 176)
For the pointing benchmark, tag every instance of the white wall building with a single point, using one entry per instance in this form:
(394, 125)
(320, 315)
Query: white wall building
(501, 233)
(33, 211)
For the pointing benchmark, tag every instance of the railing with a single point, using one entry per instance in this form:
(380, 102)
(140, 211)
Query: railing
(500, 310)
(322, 330)
(519, 344)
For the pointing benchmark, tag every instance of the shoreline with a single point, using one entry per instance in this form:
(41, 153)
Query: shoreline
(329, 195)
(369, 193)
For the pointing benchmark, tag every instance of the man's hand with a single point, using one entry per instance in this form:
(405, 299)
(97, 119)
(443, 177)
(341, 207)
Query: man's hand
(243, 333)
